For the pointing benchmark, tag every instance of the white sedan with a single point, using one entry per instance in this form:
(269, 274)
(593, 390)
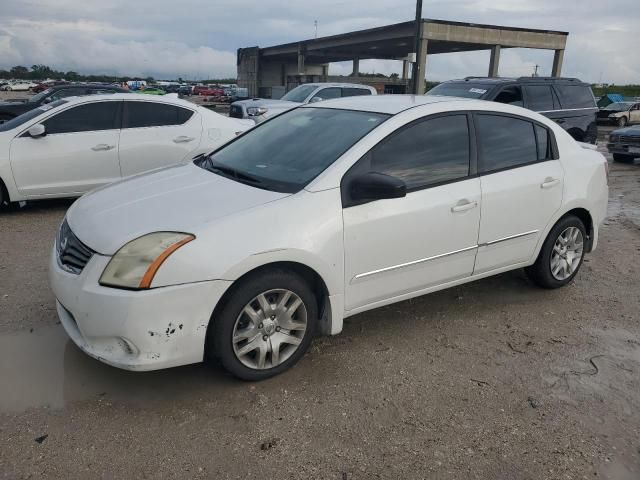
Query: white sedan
(323, 212)
(70, 146)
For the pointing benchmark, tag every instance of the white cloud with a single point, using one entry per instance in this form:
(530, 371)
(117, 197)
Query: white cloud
(199, 38)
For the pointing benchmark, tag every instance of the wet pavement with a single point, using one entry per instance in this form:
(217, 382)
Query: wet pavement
(494, 379)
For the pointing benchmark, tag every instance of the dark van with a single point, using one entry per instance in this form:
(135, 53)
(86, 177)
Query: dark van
(567, 101)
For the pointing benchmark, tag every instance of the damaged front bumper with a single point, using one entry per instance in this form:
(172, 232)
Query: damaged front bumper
(134, 330)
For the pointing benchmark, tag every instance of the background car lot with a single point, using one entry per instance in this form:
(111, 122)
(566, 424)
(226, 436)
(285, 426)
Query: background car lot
(496, 379)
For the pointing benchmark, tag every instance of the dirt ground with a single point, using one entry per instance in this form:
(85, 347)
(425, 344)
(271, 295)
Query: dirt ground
(492, 380)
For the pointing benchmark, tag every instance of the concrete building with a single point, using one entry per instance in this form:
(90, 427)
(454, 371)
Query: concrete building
(284, 66)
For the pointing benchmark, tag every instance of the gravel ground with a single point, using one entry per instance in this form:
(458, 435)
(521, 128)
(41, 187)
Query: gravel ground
(494, 379)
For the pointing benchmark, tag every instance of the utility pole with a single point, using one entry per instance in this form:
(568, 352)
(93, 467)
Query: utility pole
(418, 47)
(535, 73)
(315, 24)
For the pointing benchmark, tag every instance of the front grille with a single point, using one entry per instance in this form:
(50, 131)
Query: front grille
(73, 255)
(236, 111)
(635, 140)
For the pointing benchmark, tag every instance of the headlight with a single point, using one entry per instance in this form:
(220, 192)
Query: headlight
(256, 111)
(135, 264)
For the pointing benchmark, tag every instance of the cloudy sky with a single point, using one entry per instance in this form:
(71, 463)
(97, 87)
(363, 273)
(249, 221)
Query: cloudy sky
(199, 38)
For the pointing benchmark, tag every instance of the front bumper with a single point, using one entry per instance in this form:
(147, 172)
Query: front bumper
(135, 330)
(624, 148)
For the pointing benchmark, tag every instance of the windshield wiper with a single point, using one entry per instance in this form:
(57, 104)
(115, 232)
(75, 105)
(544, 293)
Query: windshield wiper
(226, 171)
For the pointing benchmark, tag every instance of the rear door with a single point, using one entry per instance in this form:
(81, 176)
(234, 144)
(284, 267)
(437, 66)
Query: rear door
(522, 182)
(634, 113)
(78, 153)
(156, 134)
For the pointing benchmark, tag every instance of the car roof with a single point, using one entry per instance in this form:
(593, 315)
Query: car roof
(502, 80)
(336, 84)
(389, 104)
(169, 98)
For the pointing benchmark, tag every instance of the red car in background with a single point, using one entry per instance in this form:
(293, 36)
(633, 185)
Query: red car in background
(208, 91)
(41, 87)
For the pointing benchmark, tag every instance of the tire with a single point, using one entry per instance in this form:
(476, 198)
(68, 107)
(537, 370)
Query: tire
(262, 331)
(622, 158)
(622, 122)
(555, 254)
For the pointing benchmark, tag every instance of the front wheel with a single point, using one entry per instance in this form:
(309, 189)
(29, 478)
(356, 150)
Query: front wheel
(622, 122)
(265, 326)
(561, 255)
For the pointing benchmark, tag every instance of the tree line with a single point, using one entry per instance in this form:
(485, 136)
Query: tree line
(44, 72)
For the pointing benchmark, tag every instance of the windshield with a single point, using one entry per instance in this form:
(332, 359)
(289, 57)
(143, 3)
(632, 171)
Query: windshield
(299, 93)
(619, 106)
(36, 98)
(25, 117)
(461, 89)
(287, 152)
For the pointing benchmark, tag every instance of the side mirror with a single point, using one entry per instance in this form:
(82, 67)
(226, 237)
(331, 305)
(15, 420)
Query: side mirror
(47, 100)
(315, 99)
(376, 186)
(37, 131)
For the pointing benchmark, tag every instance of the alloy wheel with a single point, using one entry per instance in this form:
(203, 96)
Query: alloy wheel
(269, 329)
(567, 253)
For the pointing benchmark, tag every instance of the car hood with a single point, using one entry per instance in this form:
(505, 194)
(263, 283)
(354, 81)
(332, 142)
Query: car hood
(179, 198)
(629, 131)
(268, 103)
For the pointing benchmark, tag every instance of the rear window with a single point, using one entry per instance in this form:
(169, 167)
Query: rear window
(461, 89)
(576, 96)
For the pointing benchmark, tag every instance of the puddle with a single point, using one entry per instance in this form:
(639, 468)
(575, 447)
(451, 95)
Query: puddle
(45, 368)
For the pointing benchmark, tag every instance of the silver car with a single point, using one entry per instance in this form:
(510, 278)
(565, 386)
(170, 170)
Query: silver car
(259, 109)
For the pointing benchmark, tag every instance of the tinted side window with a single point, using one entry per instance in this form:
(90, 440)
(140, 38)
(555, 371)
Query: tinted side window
(428, 152)
(575, 96)
(544, 145)
(539, 97)
(505, 142)
(151, 114)
(354, 92)
(510, 95)
(328, 93)
(85, 118)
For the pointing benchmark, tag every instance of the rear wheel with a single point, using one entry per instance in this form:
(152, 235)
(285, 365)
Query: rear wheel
(561, 255)
(265, 326)
(622, 122)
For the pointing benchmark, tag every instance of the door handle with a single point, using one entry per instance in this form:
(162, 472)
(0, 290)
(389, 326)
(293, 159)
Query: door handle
(549, 182)
(102, 146)
(463, 206)
(182, 139)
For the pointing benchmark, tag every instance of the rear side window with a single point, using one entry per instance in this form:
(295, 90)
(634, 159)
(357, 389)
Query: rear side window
(89, 117)
(539, 97)
(354, 92)
(544, 143)
(426, 153)
(152, 114)
(505, 142)
(510, 96)
(576, 96)
(328, 93)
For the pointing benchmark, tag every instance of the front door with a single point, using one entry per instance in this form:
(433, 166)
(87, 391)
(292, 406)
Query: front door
(79, 152)
(156, 134)
(521, 189)
(399, 246)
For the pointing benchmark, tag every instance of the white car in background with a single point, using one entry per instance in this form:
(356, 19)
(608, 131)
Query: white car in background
(260, 109)
(70, 146)
(18, 86)
(323, 212)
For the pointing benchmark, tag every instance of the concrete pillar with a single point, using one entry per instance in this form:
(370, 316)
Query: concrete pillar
(300, 59)
(405, 69)
(420, 71)
(557, 63)
(494, 62)
(356, 66)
